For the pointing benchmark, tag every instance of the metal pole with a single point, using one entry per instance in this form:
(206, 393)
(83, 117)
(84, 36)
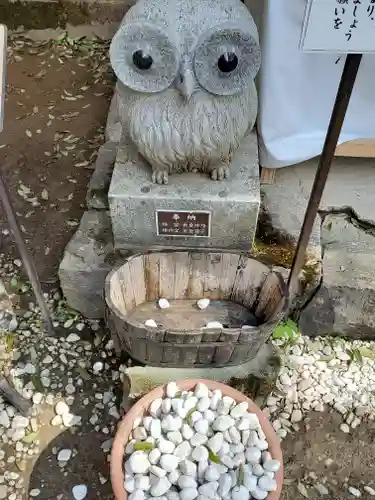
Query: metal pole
(344, 93)
(27, 260)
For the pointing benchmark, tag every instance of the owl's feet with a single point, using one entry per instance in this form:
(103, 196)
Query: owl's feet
(220, 173)
(160, 176)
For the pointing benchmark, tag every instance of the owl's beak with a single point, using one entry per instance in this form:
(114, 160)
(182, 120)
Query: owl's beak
(186, 83)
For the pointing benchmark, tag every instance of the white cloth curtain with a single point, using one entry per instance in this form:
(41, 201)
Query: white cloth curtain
(298, 89)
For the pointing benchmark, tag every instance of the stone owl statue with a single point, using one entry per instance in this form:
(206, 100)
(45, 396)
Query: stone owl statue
(186, 92)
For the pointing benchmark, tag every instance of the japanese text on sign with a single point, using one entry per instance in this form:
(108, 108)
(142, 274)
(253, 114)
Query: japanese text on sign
(183, 223)
(343, 26)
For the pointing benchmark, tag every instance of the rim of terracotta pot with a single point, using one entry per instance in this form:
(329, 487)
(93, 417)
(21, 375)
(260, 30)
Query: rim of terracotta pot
(142, 406)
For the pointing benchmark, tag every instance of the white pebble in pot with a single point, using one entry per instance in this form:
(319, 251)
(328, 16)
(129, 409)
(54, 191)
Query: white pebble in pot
(258, 470)
(225, 405)
(187, 482)
(187, 432)
(250, 481)
(202, 466)
(240, 493)
(137, 495)
(155, 428)
(209, 415)
(222, 423)
(203, 404)
(151, 323)
(146, 422)
(259, 494)
(154, 456)
(198, 440)
(174, 476)
(237, 448)
(191, 403)
(188, 494)
(225, 484)
(165, 446)
(239, 410)
(142, 483)
(195, 416)
(209, 489)
(140, 434)
(138, 462)
(164, 304)
(267, 484)
(215, 442)
(253, 455)
(202, 426)
(199, 453)
(161, 487)
(157, 471)
(172, 389)
(173, 495)
(155, 407)
(227, 461)
(211, 474)
(272, 465)
(129, 483)
(166, 405)
(234, 435)
(188, 468)
(253, 439)
(214, 324)
(169, 462)
(175, 437)
(201, 391)
(183, 450)
(262, 444)
(203, 303)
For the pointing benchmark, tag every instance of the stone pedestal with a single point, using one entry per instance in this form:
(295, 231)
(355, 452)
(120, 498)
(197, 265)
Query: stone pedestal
(226, 211)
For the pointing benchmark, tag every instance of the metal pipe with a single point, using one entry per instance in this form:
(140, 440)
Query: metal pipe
(27, 260)
(344, 93)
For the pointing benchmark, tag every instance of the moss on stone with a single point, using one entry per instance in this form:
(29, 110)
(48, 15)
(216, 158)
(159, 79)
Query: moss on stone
(273, 254)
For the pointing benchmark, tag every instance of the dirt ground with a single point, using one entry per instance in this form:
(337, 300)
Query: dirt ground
(55, 112)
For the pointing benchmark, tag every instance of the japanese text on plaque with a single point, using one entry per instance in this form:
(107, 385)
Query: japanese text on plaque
(180, 223)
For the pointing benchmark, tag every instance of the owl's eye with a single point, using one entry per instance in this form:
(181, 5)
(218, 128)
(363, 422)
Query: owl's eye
(227, 62)
(141, 60)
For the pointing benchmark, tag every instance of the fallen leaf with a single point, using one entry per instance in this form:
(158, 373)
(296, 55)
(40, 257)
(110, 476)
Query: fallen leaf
(37, 383)
(10, 342)
(83, 373)
(302, 489)
(30, 438)
(28, 133)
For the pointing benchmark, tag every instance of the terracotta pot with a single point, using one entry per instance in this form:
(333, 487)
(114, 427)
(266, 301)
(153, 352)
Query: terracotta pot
(141, 407)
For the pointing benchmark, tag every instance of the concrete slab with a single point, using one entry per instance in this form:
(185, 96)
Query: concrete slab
(344, 234)
(141, 379)
(345, 302)
(350, 184)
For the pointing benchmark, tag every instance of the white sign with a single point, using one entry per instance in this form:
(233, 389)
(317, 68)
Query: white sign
(343, 26)
(3, 62)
